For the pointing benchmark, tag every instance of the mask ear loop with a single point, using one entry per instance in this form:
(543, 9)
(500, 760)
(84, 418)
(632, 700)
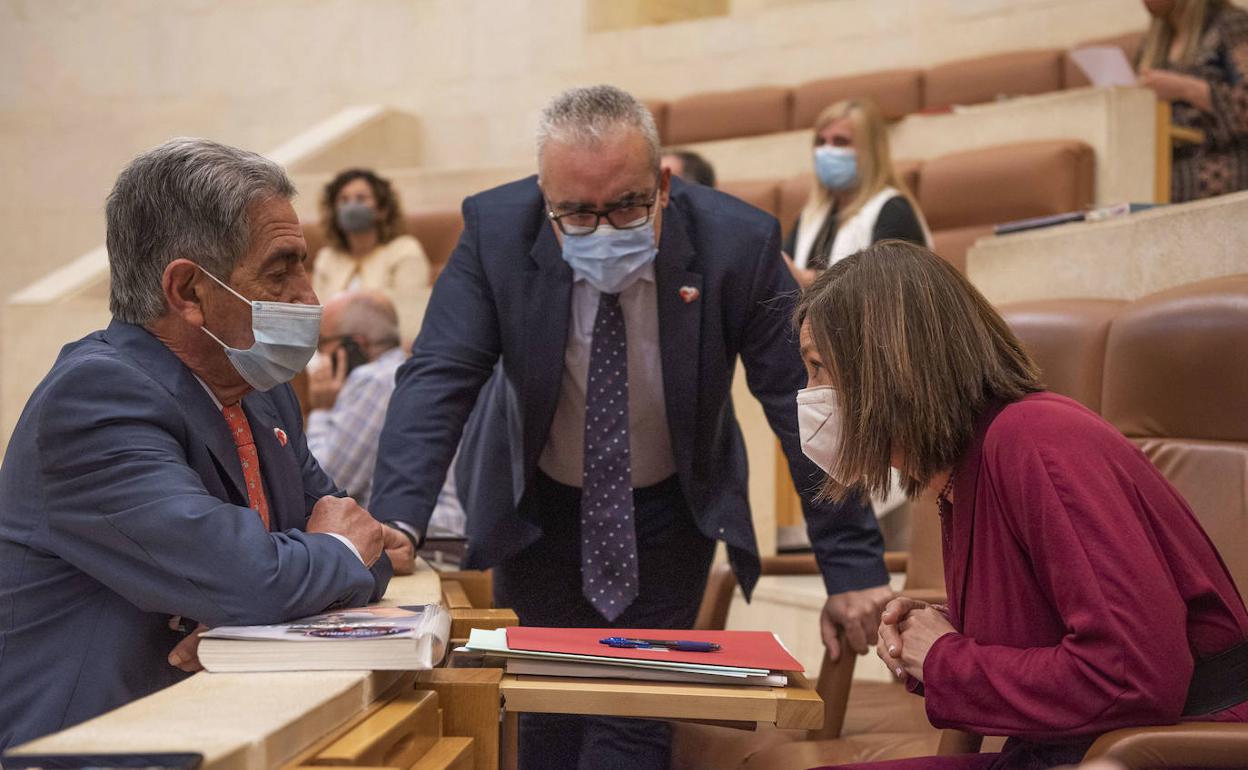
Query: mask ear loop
(224, 285)
(231, 291)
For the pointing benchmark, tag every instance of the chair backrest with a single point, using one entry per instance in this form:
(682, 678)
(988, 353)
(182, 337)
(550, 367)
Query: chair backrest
(728, 114)
(964, 193)
(438, 231)
(1169, 370)
(988, 78)
(896, 92)
(1176, 383)
(1066, 338)
(762, 193)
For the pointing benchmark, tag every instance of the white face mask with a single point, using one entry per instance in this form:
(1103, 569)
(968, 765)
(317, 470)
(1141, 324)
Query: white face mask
(286, 334)
(819, 427)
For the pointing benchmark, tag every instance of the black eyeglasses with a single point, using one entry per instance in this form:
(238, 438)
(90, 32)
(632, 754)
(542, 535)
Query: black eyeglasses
(626, 216)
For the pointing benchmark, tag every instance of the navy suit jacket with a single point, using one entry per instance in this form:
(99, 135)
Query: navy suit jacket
(505, 297)
(122, 503)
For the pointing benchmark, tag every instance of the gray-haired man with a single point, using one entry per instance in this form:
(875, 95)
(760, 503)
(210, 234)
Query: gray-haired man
(159, 472)
(604, 460)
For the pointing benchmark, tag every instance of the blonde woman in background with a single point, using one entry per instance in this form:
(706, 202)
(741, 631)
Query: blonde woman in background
(367, 247)
(856, 196)
(1195, 55)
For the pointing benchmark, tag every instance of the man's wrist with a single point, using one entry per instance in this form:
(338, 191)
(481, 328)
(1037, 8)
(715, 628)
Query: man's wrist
(347, 542)
(416, 536)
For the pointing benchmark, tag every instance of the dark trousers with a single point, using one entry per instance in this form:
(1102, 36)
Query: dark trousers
(543, 585)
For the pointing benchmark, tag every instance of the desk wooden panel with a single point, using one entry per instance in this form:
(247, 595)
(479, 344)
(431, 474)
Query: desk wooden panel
(796, 706)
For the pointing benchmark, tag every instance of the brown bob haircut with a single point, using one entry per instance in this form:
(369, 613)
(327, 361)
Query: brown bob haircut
(916, 354)
(389, 210)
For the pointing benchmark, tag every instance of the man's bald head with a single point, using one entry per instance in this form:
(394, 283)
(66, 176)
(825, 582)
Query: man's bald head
(367, 315)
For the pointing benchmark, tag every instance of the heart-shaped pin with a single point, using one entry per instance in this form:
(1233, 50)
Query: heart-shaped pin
(689, 293)
(281, 436)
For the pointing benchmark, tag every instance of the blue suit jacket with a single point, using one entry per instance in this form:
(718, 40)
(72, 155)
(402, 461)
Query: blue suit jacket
(122, 503)
(506, 293)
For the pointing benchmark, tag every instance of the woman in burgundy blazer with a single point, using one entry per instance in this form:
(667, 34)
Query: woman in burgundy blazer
(1083, 594)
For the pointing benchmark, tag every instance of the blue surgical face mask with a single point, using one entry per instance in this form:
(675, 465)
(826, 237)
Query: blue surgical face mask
(285, 335)
(610, 260)
(836, 167)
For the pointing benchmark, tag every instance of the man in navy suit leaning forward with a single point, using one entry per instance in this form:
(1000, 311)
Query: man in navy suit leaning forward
(159, 472)
(606, 306)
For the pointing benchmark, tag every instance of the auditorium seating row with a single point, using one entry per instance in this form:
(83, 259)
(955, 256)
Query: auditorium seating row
(771, 109)
(1167, 370)
(962, 195)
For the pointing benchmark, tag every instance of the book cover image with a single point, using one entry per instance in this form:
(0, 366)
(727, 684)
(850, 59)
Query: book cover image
(354, 623)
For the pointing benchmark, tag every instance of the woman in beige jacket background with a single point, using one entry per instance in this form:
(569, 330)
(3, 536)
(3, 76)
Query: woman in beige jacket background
(367, 247)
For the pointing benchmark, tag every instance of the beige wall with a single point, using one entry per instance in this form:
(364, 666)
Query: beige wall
(85, 84)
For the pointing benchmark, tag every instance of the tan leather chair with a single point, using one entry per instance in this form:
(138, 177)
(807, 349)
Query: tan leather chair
(965, 193)
(728, 114)
(988, 78)
(658, 109)
(1176, 383)
(870, 720)
(438, 231)
(761, 193)
(1173, 380)
(1066, 338)
(896, 92)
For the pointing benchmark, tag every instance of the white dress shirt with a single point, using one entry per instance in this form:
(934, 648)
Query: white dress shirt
(649, 439)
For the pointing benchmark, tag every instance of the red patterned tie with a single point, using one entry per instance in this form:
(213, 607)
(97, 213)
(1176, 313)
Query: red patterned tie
(250, 458)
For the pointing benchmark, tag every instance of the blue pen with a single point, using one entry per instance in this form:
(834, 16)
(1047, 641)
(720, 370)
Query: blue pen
(665, 644)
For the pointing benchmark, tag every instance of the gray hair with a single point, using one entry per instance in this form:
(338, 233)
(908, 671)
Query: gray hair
(187, 198)
(586, 115)
(372, 317)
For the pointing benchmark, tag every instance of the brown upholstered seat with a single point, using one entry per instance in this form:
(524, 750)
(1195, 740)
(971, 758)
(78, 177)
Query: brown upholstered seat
(728, 114)
(764, 193)
(1176, 383)
(875, 720)
(896, 92)
(658, 108)
(438, 231)
(964, 193)
(1066, 338)
(987, 78)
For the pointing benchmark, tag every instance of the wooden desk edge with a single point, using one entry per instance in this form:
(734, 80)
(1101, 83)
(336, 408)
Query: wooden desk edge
(796, 706)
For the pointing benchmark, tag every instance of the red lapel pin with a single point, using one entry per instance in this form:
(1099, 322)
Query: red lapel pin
(281, 436)
(689, 293)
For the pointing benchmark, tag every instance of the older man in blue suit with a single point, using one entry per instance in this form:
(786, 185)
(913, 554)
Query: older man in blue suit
(159, 472)
(604, 460)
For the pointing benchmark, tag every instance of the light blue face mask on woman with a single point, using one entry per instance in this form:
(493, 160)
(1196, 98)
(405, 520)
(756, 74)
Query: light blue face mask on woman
(285, 335)
(836, 167)
(609, 259)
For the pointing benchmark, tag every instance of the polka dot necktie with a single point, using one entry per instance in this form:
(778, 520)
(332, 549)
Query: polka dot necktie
(608, 537)
(240, 430)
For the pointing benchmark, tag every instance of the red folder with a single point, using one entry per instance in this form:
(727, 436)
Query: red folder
(745, 649)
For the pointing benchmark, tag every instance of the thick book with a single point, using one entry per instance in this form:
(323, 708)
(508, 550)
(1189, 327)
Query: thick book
(361, 638)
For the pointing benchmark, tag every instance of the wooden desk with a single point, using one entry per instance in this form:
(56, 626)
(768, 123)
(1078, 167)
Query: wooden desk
(796, 706)
(244, 721)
